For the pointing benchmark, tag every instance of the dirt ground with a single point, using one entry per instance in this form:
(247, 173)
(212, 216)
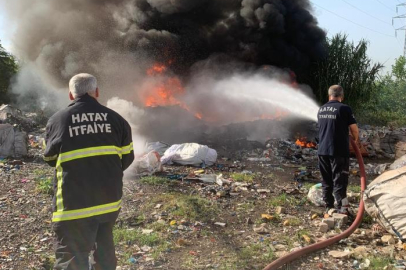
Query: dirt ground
(170, 223)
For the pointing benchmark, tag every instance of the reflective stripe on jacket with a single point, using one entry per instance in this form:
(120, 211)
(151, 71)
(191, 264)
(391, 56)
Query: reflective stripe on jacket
(90, 146)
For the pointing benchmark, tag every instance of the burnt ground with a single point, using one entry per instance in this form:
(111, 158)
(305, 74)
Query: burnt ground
(168, 221)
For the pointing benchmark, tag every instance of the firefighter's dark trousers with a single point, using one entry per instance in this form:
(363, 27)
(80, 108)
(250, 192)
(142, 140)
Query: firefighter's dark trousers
(75, 239)
(335, 172)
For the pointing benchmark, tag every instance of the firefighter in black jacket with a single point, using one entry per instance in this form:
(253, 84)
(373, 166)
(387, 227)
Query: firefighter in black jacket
(90, 146)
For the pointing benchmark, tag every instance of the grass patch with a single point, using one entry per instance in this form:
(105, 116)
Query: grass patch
(379, 262)
(301, 233)
(135, 236)
(295, 222)
(288, 241)
(154, 181)
(181, 206)
(47, 262)
(253, 250)
(160, 249)
(43, 181)
(242, 177)
(43, 172)
(246, 206)
(253, 256)
(283, 200)
(308, 185)
(229, 264)
(255, 253)
(367, 219)
(158, 227)
(354, 188)
(44, 185)
(270, 175)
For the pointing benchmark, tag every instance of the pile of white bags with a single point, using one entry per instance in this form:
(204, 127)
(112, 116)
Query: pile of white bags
(189, 154)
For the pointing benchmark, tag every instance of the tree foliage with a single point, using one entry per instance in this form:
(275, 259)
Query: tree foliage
(8, 68)
(346, 64)
(387, 105)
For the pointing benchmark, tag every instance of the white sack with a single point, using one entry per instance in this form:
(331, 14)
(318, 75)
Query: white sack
(12, 143)
(315, 195)
(385, 200)
(147, 164)
(6, 140)
(159, 147)
(399, 163)
(190, 154)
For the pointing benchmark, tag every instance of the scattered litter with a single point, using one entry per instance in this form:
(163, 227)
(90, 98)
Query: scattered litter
(267, 217)
(147, 232)
(315, 195)
(261, 229)
(339, 254)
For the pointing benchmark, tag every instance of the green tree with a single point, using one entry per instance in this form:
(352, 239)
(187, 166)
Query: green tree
(346, 64)
(387, 105)
(399, 69)
(8, 68)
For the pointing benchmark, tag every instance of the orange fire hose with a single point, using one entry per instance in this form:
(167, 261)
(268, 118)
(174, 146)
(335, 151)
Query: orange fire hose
(323, 244)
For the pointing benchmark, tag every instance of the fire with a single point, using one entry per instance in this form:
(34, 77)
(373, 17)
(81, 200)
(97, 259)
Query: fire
(165, 90)
(302, 142)
(156, 69)
(199, 116)
(164, 93)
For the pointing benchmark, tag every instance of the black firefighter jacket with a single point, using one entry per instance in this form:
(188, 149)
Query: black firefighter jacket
(90, 146)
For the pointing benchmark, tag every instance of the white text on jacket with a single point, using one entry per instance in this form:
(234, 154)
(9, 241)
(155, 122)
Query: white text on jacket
(93, 124)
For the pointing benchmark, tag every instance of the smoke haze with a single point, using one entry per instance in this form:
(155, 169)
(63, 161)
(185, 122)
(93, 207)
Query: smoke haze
(119, 40)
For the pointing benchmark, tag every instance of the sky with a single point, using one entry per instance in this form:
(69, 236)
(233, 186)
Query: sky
(365, 19)
(359, 19)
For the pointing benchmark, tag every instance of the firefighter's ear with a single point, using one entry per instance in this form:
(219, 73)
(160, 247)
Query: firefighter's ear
(97, 92)
(71, 96)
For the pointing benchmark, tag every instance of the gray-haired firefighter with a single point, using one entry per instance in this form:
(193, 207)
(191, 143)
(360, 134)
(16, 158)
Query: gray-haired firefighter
(335, 121)
(90, 146)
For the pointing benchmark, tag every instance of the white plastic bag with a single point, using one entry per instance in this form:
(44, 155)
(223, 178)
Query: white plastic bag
(190, 154)
(148, 164)
(159, 147)
(315, 195)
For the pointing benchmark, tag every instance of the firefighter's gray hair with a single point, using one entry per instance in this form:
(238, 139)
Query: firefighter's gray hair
(336, 91)
(81, 84)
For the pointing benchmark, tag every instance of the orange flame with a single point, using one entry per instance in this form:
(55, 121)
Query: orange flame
(164, 93)
(167, 91)
(302, 142)
(156, 69)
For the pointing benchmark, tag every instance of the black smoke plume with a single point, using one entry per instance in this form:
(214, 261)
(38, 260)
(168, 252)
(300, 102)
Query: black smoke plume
(118, 39)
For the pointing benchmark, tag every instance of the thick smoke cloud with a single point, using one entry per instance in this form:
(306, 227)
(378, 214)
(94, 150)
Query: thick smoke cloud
(218, 51)
(117, 39)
